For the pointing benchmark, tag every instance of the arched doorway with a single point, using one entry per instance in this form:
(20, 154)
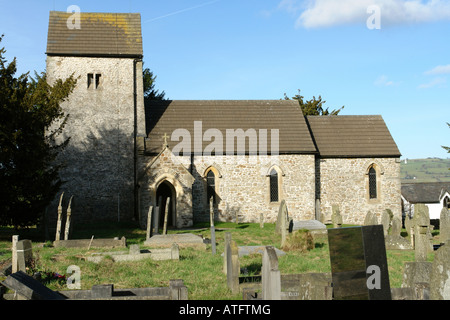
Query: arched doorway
(165, 191)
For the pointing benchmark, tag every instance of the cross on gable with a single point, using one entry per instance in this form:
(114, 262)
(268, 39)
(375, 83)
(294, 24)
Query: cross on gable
(165, 137)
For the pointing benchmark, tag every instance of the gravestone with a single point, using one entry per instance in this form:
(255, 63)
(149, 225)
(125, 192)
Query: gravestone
(440, 274)
(225, 251)
(386, 221)
(444, 226)
(156, 221)
(59, 221)
(311, 225)
(394, 240)
(166, 216)
(371, 219)
(283, 217)
(271, 276)
(336, 217)
(24, 254)
(68, 220)
(30, 288)
(212, 227)
(358, 263)
(149, 223)
(422, 230)
(233, 269)
(416, 274)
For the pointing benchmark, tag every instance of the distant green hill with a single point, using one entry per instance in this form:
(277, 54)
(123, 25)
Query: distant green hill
(425, 170)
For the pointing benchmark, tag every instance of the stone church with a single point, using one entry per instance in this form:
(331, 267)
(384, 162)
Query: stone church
(241, 157)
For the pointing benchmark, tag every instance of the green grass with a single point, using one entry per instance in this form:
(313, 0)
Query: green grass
(199, 269)
(425, 170)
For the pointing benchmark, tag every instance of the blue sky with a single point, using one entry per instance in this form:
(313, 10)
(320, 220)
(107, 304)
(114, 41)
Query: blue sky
(261, 49)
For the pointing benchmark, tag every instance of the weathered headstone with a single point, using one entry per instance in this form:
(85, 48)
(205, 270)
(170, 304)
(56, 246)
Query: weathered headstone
(15, 264)
(30, 288)
(444, 226)
(149, 223)
(318, 214)
(261, 220)
(422, 223)
(156, 221)
(212, 227)
(166, 215)
(24, 254)
(415, 273)
(440, 274)
(68, 220)
(336, 217)
(233, 268)
(59, 221)
(358, 263)
(271, 276)
(394, 240)
(371, 219)
(312, 225)
(386, 221)
(282, 218)
(225, 252)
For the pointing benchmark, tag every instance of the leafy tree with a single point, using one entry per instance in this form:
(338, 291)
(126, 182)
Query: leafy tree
(149, 86)
(313, 107)
(30, 120)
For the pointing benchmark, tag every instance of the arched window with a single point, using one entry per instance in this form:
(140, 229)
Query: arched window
(372, 183)
(274, 186)
(211, 185)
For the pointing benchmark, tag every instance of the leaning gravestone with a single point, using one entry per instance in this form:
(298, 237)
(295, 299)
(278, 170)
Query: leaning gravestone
(30, 288)
(359, 264)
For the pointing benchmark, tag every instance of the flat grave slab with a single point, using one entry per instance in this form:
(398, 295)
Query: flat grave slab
(182, 239)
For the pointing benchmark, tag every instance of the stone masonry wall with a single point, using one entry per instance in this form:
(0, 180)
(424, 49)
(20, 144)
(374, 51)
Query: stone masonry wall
(345, 182)
(99, 159)
(242, 185)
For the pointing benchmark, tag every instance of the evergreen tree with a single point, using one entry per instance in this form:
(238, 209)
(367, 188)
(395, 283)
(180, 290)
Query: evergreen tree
(149, 86)
(30, 120)
(313, 107)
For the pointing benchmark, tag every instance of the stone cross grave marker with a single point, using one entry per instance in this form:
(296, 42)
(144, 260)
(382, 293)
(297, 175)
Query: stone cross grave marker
(359, 264)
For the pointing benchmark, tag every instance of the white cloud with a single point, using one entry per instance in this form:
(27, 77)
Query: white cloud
(327, 13)
(439, 70)
(384, 81)
(441, 82)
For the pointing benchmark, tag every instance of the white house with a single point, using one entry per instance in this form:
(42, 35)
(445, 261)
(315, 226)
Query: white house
(435, 195)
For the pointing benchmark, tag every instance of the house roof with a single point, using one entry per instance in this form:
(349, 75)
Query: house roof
(424, 192)
(352, 136)
(100, 34)
(164, 117)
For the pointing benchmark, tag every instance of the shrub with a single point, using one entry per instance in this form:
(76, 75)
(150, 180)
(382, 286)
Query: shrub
(300, 240)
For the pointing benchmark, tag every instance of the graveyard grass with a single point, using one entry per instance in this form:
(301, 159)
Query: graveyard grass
(199, 269)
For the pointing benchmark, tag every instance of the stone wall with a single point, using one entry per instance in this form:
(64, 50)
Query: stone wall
(344, 182)
(242, 187)
(99, 159)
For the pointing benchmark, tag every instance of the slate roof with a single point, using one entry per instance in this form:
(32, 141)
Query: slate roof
(424, 192)
(100, 34)
(163, 117)
(352, 136)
